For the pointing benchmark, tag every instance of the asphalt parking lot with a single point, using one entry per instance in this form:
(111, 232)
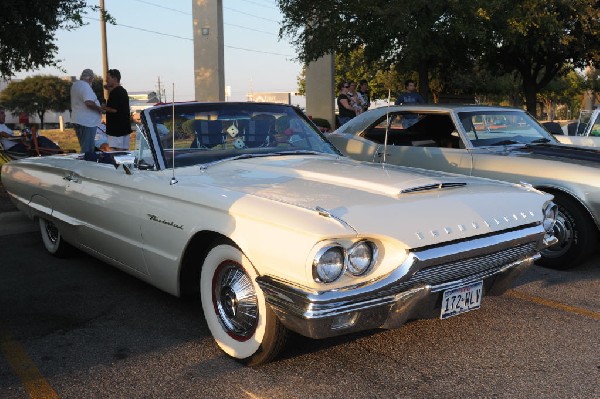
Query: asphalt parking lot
(77, 328)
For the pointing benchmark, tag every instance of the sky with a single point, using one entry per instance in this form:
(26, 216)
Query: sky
(153, 39)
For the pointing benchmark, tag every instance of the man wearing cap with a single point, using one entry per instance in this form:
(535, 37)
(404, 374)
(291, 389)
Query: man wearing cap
(85, 110)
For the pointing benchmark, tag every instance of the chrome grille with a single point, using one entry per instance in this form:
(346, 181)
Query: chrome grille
(470, 267)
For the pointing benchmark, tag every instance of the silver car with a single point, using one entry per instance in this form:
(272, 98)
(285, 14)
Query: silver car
(494, 142)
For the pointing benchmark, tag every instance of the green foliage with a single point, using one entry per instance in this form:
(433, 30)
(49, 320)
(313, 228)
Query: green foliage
(540, 39)
(187, 128)
(27, 31)
(98, 88)
(184, 128)
(37, 94)
(353, 66)
(450, 44)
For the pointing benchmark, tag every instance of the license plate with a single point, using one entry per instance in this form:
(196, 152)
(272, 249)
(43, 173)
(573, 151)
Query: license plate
(462, 299)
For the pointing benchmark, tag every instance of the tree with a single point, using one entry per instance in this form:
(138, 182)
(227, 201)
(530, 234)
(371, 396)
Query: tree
(411, 35)
(534, 39)
(27, 31)
(353, 67)
(36, 95)
(540, 39)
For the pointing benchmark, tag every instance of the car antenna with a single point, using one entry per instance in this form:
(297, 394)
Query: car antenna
(173, 179)
(387, 125)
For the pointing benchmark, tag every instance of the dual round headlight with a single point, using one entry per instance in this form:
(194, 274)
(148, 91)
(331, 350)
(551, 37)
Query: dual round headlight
(333, 260)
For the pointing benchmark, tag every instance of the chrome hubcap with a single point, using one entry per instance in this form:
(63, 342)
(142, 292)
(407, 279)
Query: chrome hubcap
(235, 301)
(563, 230)
(52, 232)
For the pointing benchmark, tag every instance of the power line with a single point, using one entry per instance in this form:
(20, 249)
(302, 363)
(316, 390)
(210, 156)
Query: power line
(190, 39)
(271, 2)
(254, 30)
(250, 15)
(257, 51)
(161, 6)
(259, 4)
(237, 26)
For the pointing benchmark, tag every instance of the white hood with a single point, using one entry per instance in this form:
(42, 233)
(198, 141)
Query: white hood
(376, 200)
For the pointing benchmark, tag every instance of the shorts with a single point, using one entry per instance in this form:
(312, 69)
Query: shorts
(119, 142)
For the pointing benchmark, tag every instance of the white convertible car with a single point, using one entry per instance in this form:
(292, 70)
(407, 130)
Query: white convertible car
(249, 207)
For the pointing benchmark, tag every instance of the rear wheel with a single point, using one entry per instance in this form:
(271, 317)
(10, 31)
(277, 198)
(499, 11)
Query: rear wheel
(577, 235)
(53, 241)
(241, 322)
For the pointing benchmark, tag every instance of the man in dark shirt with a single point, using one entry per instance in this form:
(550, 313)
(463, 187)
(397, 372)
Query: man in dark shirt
(118, 116)
(409, 97)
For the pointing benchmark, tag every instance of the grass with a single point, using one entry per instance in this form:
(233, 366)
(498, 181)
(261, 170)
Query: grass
(67, 140)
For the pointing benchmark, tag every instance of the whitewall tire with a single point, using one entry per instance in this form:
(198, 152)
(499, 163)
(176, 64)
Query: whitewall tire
(241, 322)
(52, 239)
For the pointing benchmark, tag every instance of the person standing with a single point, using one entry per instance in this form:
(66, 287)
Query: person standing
(6, 133)
(410, 95)
(345, 110)
(85, 110)
(355, 100)
(118, 116)
(363, 93)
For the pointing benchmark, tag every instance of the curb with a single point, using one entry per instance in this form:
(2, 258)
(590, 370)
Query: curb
(15, 223)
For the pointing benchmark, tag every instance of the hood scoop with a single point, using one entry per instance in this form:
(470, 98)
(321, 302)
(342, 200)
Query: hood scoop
(429, 187)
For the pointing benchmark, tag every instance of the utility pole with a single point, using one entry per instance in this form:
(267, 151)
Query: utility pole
(104, 51)
(209, 59)
(160, 92)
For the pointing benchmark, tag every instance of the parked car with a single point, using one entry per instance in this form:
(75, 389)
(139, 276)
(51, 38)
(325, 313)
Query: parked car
(586, 131)
(493, 142)
(249, 207)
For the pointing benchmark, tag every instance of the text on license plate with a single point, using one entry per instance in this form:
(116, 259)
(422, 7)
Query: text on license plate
(462, 299)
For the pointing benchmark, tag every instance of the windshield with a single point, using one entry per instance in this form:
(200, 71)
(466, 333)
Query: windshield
(504, 127)
(201, 133)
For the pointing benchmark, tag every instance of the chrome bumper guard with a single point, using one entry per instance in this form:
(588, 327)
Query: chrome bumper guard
(412, 291)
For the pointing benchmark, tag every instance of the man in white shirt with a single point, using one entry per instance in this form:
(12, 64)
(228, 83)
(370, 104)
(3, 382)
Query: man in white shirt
(85, 110)
(5, 132)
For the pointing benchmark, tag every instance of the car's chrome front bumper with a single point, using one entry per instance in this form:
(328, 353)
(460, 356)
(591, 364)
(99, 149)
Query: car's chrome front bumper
(412, 291)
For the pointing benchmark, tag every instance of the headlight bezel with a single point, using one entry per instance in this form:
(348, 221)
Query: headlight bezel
(346, 268)
(364, 269)
(318, 274)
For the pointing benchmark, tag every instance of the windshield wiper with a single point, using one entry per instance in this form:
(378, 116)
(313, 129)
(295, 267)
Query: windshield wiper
(542, 140)
(297, 152)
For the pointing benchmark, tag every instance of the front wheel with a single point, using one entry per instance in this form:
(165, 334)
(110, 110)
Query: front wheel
(53, 240)
(235, 309)
(577, 235)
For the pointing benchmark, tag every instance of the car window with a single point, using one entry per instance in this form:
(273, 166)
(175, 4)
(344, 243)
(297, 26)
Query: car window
(504, 127)
(201, 133)
(143, 152)
(415, 130)
(595, 130)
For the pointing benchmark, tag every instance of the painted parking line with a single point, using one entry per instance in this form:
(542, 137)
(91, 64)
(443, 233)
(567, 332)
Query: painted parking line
(34, 382)
(553, 304)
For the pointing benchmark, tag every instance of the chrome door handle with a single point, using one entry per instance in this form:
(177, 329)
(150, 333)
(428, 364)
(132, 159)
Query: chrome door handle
(71, 177)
